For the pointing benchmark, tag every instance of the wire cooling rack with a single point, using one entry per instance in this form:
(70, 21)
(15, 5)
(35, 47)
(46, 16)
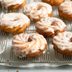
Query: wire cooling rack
(50, 58)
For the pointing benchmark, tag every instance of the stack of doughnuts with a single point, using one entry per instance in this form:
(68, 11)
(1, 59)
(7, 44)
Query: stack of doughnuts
(41, 14)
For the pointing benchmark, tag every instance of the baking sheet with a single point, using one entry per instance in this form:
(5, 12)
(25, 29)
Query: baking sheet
(50, 58)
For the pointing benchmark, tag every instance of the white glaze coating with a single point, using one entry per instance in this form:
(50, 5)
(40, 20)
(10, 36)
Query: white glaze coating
(14, 19)
(66, 7)
(22, 46)
(62, 40)
(45, 24)
(38, 10)
(11, 2)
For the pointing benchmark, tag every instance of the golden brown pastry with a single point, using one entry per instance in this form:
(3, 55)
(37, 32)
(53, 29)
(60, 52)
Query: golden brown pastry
(62, 43)
(37, 10)
(65, 10)
(50, 26)
(13, 4)
(14, 22)
(54, 2)
(29, 45)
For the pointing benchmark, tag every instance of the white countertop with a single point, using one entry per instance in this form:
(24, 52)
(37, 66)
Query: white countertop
(65, 68)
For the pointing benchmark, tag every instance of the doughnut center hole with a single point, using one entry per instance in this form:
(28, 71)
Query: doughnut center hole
(39, 7)
(71, 39)
(29, 39)
(54, 23)
(16, 19)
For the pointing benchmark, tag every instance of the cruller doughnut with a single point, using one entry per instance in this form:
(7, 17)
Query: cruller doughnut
(14, 22)
(13, 4)
(62, 43)
(54, 2)
(37, 10)
(29, 45)
(50, 26)
(65, 10)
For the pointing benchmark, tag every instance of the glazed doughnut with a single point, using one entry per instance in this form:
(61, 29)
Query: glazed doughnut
(29, 45)
(50, 26)
(14, 22)
(13, 4)
(53, 2)
(65, 10)
(37, 10)
(62, 43)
